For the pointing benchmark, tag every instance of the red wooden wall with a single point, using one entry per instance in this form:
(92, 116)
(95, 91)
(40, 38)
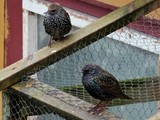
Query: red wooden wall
(91, 7)
(13, 41)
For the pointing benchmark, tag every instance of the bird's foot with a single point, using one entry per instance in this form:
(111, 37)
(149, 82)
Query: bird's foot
(30, 83)
(97, 110)
(100, 110)
(92, 109)
(50, 43)
(62, 38)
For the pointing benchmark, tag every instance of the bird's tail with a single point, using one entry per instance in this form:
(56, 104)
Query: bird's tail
(123, 96)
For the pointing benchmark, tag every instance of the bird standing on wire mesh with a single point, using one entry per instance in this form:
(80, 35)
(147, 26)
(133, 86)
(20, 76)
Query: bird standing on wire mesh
(56, 22)
(101, 85)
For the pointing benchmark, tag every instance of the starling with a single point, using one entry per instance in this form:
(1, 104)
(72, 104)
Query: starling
(56, 22)
(101, 85)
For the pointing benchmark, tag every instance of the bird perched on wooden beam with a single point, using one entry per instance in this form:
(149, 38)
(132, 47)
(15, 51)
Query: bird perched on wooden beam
(101, 85)
(56, 22)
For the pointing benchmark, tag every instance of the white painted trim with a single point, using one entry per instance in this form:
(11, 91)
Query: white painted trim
(137, 39)
(30, 38)
(29, 33)
(78, 19)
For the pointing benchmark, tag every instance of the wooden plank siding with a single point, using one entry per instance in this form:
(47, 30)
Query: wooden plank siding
(13, 39)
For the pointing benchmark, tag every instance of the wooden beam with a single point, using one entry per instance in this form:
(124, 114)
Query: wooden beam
(76, 41)
(62, 103)
(154, 117)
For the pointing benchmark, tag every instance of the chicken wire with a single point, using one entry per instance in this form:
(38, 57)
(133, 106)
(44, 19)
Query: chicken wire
(17, 106)
(131, 54)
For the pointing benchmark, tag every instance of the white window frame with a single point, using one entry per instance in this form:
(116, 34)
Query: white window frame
(30, 10)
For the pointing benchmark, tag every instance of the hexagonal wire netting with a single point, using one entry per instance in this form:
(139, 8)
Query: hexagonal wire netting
(131, 54)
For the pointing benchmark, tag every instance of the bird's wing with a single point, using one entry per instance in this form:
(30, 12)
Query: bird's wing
(109, 84)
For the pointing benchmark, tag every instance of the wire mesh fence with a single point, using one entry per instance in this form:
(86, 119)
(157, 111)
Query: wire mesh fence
(131, 54)
(18, 106)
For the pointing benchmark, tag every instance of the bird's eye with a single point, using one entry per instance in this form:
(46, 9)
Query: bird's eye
(86, 71)
(91, 71)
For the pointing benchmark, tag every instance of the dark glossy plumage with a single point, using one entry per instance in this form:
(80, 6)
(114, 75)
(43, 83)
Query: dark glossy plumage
(57, 22)
(100, 84)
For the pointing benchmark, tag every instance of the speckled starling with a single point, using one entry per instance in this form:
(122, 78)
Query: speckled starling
(56, 22)
(101, 85)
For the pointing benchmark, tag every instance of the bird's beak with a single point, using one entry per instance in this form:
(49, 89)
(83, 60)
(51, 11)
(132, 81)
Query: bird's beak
(82, 71)
(78, 71)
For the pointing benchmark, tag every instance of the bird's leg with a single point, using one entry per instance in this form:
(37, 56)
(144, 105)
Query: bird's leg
(95, 107)
(62, 38)
(100, 107)
(50, 42)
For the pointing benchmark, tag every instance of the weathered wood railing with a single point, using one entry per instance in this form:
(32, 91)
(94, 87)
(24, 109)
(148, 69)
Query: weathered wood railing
(48, 55)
